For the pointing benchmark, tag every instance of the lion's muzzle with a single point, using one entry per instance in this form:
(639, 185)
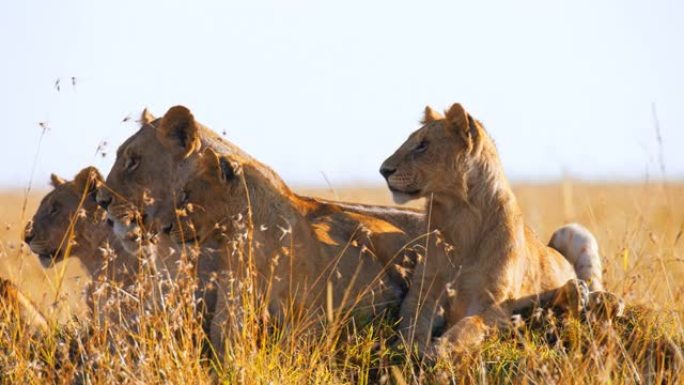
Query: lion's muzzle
(103, 198)
(386, 171)
(28, 233)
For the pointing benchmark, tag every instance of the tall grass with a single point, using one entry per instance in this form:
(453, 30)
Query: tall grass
(639, 228)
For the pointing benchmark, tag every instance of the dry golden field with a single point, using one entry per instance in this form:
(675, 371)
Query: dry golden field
(639, 228)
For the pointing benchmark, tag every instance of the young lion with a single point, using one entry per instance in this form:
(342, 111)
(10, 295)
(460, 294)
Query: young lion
(298, 245)
(490, 263)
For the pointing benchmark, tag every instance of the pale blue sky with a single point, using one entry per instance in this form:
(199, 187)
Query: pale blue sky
(312, 87)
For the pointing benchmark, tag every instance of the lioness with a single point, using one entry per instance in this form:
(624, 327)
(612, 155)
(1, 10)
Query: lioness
(490, 263)
(154, 164)
(69, 223)
(298, 244)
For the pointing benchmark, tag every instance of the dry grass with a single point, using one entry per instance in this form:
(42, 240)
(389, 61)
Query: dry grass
(639, 228)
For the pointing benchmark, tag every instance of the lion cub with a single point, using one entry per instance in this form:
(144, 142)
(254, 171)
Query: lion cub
(486, 262)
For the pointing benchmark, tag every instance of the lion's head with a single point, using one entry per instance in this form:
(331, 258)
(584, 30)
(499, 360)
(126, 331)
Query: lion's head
(65, 215)
(212, 201)
(444, 147)
(150, 170)
(143, 175)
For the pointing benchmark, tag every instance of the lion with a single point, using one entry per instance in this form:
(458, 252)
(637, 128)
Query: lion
(312, 243)
(15, 305)
(158, 159)
(154, 164)
(486, 262)
(70, 224)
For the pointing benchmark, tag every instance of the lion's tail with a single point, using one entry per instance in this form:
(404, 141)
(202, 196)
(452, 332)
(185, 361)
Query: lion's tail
(579, 246)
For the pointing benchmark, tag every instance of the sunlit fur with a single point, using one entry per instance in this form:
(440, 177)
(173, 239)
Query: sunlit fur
(14, 304)
(68, 220)
(69, 223)
(154, 165)
(490, 262)
(165, 151)
(298, 244)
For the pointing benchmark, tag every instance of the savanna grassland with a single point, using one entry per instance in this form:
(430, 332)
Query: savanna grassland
(639, 228)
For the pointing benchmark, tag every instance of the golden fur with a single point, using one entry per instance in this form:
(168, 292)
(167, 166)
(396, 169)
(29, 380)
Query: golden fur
(155, 162)
(298, 244)
(69, 223)
(14, 305)
(489, 263)
(154, 165)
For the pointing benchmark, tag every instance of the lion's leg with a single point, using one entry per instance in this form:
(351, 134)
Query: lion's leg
(420, 309)
(423, 308)
(573, 296)
(469, 332)
(605, 305)
(576, 298)
(227, 318)
(219, 324)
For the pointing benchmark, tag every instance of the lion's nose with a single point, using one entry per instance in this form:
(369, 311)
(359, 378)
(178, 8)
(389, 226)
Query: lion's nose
(167, 229)
(104, 200)
(387, 171)
(28, 232)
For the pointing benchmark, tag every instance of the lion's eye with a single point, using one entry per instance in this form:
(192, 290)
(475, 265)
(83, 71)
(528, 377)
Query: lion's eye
(421, 147)
(184, 197)
(54, 209)
(132, 163)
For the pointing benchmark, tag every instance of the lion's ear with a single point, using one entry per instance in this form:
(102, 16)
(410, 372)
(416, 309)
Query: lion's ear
(464, 125)
(209, 163)
(146, 117)
(179, 132)
(87, 181)
(228, 169)
(218, 167)
(56, 180)
(430, 115)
